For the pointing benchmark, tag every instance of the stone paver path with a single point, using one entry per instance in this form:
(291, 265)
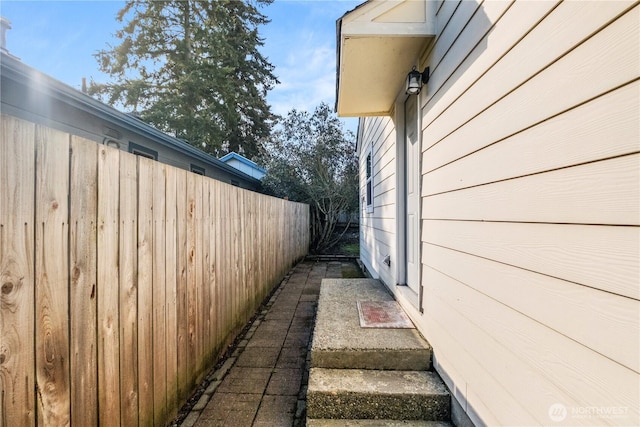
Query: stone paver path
(264, 383)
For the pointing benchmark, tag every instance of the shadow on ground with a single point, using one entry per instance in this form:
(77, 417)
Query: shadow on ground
(262, 378)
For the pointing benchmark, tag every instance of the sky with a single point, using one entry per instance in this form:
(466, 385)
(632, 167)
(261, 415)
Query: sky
(59, 38)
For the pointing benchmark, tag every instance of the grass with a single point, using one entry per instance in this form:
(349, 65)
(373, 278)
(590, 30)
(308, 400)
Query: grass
(352, 249)
(351, 271)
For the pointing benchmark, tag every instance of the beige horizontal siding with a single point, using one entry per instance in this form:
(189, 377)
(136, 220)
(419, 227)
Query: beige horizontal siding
(604, 192)
(572, 310)
(575, 137)
(598, 257)
(612, 52)
(531, 208)
(483, 45)
(533, 363)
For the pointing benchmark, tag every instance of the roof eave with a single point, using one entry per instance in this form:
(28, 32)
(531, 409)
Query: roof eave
(377, 43)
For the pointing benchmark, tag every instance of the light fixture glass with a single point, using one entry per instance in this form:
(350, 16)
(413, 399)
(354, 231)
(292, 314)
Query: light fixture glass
(414, 82)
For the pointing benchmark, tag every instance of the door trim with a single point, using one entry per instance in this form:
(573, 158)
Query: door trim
(415, 298)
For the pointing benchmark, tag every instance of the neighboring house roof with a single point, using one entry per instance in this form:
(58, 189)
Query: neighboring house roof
(21, 84)
(242, 163)
(377, 43)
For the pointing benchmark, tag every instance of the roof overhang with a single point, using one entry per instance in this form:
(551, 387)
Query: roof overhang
(377, 44)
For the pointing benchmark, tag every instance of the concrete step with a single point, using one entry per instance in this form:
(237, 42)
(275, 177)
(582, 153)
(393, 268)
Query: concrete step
(340, 342)
(376, 423)
(368, 394)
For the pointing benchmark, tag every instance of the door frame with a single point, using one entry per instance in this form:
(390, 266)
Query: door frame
(401, 210)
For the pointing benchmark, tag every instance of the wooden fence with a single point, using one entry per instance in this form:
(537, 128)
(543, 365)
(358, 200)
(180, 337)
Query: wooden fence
(123, 279)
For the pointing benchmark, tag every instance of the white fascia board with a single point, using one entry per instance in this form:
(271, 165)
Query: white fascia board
(391, 18)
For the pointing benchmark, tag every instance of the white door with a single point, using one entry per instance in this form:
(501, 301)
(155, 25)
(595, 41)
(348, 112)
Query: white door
(412, 194)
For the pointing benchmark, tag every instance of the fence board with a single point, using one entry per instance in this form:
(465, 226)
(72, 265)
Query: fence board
(225, 301)
(128, 266)
(171, 272)
(258, 257)
(17, 190)
(206, 273)
(83, 306)
(213, 274)
(251, 236)
(218, 264)
(240, 255)
(199, 284)
(229, 232)
(159, 295)
(108, 281)
(235, 248)
(52, 279)
(127, 276)
(191, 276)
(216, 306)
(145, 290)
(181, 286)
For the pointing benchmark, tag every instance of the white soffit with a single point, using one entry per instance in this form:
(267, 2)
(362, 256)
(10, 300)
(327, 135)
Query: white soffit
(378, 43)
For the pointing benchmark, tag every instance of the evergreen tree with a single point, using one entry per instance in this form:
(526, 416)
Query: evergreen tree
(193, 69)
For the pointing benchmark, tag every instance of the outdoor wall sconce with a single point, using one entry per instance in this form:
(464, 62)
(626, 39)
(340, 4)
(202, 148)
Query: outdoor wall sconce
(415, 80)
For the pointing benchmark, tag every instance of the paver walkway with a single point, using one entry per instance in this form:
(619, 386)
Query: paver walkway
(264, 383)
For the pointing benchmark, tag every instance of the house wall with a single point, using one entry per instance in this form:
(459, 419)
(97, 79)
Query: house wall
(251, 171)
(377, 227)
(32, 96)
(530, 210)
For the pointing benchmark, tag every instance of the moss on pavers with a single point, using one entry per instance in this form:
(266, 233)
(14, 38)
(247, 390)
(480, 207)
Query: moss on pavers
(230, 409)
(258, 357)
(245, 380)
(269, 335)
(292, 358)
(285, 382)
(278, 391)
(276, 411)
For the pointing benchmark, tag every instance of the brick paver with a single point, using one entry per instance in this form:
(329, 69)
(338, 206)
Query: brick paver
(264, 383)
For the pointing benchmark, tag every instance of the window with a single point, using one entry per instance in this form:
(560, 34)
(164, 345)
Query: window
(197, 169)
(139, 150)
(369, 171)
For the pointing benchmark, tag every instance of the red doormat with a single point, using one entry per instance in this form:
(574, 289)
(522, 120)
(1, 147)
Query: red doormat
(383, 314)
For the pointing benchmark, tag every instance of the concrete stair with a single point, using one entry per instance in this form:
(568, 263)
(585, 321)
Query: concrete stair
(375, 423)
(366, 376)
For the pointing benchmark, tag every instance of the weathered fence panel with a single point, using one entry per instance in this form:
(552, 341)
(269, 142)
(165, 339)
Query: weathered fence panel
(128, 295)
(107, 287)
(52, 277)
(83, 251)
(17, 278)
(122, 279)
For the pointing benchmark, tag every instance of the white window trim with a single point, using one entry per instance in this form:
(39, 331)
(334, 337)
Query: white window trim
(369, 196)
